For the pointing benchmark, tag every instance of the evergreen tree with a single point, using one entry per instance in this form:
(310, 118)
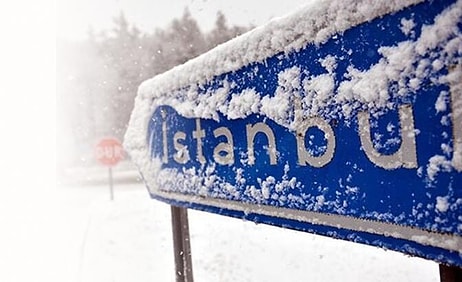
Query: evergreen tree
(98, 79)
(221, 32)
(122, 52)
(183, 40)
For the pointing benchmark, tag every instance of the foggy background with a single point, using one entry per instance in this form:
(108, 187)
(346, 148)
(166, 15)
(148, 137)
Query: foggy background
(105, 49)
(97, 78)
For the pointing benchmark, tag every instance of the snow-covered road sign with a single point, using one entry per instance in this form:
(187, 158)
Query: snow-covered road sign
(343, 119)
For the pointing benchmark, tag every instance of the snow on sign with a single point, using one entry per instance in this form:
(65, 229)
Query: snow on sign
(343, 119)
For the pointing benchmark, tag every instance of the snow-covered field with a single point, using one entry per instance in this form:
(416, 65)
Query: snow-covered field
(76, 233)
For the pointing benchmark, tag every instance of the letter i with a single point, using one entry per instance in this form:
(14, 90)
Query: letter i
(164, 136)
(455, 83)
(198, 134)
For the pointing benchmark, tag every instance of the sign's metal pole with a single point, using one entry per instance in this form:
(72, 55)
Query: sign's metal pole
(111, 189)
(181, 245)
(450, 273)
(186, 246)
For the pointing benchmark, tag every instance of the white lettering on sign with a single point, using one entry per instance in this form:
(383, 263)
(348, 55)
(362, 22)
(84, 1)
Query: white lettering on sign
(225, 147)
(252, 131)
(405, 156)
(455, 83)
(109, 152)
(182, 153)
(223, 153)
(198, 134)
(302, 126)
(304, 157)
(164, 137)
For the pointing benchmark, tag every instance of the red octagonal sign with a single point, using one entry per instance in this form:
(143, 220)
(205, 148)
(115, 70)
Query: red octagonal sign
(109, 151)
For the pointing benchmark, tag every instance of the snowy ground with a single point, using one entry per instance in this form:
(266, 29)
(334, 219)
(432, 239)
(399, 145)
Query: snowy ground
(76, 233)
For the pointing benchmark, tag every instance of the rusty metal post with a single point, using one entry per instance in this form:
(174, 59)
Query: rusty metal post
(181, 245)
(450, 273)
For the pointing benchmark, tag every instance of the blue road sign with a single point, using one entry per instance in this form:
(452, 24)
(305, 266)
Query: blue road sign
(349, 128)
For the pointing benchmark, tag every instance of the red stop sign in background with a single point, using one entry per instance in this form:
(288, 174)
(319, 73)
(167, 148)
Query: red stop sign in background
(109, 151)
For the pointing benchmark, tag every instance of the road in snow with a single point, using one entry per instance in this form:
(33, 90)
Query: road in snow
(76, 233)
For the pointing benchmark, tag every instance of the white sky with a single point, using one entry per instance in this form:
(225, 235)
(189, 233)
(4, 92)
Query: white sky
(74, 17)
(27, 91)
